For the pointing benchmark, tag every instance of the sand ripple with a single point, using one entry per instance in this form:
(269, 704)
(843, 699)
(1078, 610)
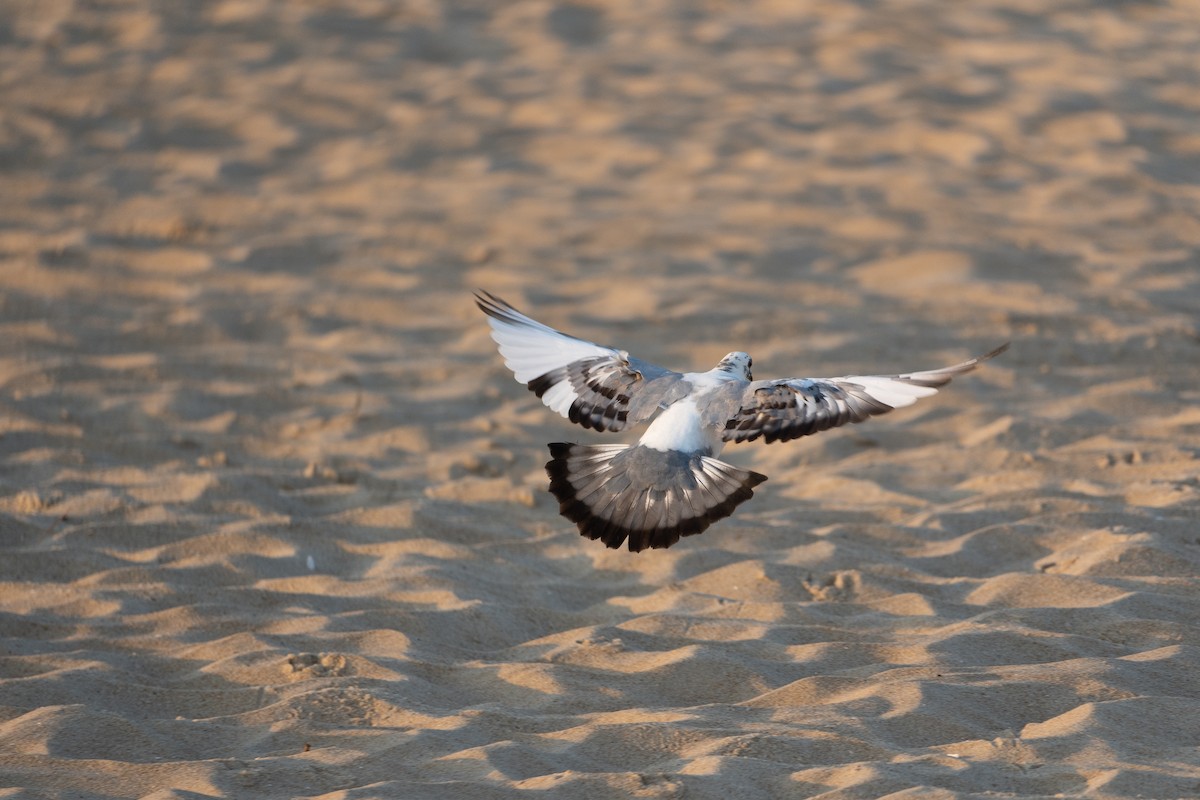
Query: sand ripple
(273, 519)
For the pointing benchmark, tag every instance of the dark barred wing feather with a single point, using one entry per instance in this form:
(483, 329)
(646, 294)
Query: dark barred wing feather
(780, 410)
(598, 390)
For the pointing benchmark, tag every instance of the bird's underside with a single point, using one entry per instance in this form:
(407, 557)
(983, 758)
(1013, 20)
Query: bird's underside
(670, 484)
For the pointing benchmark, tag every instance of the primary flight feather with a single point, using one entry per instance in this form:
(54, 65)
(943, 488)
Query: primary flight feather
(670, 484)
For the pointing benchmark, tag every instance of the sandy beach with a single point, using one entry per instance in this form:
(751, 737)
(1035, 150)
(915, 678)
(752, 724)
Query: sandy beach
(273, 513)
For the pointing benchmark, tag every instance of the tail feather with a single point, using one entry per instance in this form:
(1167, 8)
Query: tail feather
(641, 496)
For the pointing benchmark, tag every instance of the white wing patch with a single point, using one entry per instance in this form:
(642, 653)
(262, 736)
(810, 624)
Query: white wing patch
(896, 394)
(584, 382)
(531, 349)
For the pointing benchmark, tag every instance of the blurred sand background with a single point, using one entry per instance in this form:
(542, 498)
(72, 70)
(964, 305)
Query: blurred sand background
(273, 519)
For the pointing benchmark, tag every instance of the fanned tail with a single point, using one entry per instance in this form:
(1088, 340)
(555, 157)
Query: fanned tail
(649, 497)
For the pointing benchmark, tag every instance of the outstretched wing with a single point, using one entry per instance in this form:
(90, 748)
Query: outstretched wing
(780, 410)
(598, 387)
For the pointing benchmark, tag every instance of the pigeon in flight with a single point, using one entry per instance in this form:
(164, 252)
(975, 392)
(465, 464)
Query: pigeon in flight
(670, 484)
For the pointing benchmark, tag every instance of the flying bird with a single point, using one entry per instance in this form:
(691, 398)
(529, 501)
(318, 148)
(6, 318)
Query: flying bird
(670, 484)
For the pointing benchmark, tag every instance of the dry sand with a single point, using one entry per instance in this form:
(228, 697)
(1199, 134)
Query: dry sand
(274, 520)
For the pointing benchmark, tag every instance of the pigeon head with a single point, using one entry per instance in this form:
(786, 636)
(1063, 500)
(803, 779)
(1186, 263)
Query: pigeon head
(737, 364)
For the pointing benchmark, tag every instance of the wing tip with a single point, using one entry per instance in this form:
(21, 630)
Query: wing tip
(492, 305)
(936, 378)
(993, 353)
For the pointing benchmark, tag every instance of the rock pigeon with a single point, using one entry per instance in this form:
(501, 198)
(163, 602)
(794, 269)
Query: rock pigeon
(670, 484)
